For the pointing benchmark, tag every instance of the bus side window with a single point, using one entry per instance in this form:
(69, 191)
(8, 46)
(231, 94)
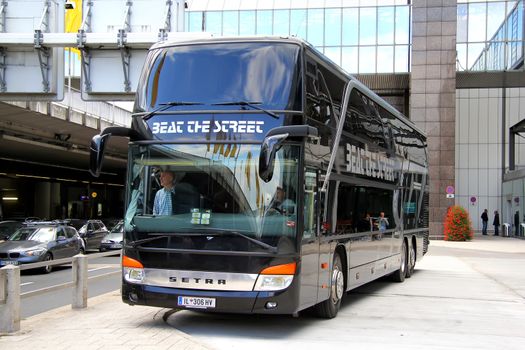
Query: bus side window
(310, 189)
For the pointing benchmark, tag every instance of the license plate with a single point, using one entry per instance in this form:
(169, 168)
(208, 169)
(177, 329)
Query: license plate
(195, 302)
(8, 262)
(116, 246)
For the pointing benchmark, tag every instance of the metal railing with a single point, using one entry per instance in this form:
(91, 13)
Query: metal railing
(10, 287)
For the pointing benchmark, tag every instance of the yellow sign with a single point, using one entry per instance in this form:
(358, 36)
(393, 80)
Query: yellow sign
(73, 21)
(94, 195)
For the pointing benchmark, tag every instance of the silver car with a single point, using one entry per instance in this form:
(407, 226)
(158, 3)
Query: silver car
(113, 240)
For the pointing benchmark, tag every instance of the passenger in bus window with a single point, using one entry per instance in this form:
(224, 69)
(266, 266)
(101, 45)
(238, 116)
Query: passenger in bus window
(365, 223)
(383, 222)
(163, 204)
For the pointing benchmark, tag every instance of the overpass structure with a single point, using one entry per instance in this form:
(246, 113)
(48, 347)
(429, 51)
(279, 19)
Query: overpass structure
(48, 120)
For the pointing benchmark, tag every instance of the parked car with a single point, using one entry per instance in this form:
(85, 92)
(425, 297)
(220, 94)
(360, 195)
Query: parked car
(113, 240)
(8, 227)
(40, 241)
(91, 231)
(110, 222)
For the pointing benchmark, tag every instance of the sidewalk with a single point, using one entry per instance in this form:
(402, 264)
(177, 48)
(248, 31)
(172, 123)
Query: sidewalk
(486, 243)
(107, 323)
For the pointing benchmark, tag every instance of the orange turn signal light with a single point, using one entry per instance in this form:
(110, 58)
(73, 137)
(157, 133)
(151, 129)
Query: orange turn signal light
(129, 262)
(285, 269)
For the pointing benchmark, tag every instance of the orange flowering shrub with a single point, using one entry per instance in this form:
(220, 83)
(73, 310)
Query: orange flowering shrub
(457, 226)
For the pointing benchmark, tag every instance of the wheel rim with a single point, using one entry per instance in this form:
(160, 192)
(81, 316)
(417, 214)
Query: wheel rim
(412, 258)
(403, 258)
(48, 267)
(338, 284)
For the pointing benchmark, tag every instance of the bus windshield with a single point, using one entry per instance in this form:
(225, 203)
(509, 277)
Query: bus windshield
(257, 72)
(212, 189)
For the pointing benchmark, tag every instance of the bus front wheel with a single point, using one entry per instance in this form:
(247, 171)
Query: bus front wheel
(330, 307)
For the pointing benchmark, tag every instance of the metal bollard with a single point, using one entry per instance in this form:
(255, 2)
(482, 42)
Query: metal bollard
(80, 281)
(505, 232)
(9, 299)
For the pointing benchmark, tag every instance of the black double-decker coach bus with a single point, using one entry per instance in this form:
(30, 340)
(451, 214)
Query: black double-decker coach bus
(290, 182)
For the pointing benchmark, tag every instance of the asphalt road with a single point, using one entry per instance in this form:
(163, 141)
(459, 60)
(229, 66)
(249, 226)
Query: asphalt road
(34, 280)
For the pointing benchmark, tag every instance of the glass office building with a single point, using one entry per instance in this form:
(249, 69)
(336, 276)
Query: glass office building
(370, 36)
(376, 38)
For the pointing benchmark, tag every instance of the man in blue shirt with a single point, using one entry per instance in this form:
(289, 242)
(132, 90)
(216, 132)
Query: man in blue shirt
(163, 198)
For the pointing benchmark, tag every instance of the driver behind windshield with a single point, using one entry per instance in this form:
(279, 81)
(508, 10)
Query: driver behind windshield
(164, 198)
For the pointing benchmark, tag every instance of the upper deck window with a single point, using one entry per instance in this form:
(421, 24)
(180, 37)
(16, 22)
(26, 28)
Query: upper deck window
(264, 72)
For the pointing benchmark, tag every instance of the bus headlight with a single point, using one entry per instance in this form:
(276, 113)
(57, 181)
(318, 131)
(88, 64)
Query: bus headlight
(133, 275)
(276, 277)
(272, 282)
(133, 270)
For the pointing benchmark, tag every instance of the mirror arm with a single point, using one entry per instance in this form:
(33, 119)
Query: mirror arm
(98, 144)
(122, 131)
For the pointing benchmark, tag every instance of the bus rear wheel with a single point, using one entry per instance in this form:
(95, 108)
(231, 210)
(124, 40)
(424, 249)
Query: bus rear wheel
(411, 260)
(399, 275)
(330, 307)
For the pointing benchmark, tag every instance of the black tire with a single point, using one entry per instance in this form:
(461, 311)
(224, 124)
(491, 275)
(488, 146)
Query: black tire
(399, 275)
(49, 268)
(330, 307)
(411, 260)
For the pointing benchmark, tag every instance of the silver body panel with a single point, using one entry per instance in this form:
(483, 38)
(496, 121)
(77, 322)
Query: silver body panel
(200, 280)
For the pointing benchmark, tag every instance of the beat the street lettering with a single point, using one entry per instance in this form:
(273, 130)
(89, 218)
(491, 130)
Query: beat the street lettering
(371, 164)
(235, 126)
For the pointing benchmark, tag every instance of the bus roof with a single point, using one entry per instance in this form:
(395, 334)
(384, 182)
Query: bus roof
(207, 39)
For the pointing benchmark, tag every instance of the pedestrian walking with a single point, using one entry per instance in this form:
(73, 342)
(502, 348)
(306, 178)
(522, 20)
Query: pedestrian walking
(496, 223)
(484, 222)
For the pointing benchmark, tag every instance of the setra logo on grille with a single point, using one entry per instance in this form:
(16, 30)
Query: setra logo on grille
(197, 280)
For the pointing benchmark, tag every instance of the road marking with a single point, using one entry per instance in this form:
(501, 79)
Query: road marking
(25, 284)
(100, 268)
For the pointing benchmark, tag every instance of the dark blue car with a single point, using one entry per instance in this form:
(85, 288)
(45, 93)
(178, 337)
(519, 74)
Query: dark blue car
(40, 241)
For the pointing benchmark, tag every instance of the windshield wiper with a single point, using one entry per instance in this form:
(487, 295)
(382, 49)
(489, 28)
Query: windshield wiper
(249, 104)
(166, 105)
(214, 232)
(145, 240)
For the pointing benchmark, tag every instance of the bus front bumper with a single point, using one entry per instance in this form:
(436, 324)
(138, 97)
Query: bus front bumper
(280, 302)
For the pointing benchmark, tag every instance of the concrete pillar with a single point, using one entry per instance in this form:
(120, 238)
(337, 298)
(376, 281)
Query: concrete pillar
(433, 96)
(80, 280)
(9, 299)
(54, 208)
(43, 200)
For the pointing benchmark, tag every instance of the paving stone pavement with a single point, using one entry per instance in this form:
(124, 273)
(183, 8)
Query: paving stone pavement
(107, 323)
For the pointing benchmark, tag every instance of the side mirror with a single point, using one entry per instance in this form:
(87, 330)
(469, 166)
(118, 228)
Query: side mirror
(61, 238)
(269, 148)
(96, 156)
(273, 141)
